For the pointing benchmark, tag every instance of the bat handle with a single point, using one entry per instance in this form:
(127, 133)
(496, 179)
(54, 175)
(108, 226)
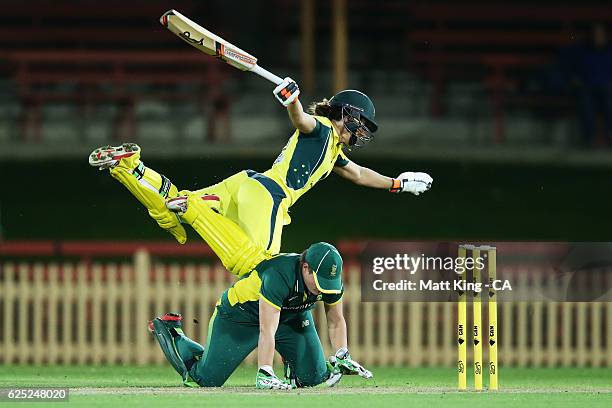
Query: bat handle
(264, 73)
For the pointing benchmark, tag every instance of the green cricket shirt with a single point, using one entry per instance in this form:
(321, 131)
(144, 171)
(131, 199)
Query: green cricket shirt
(279, 282)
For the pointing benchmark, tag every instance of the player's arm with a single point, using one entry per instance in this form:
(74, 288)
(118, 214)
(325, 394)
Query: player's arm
(302, 121)
(363, 176)
(269, 316)
(287, 93)
(336, 326)
(343, 362)
(411, 182)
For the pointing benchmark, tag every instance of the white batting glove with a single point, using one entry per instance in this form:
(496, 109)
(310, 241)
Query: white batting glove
(410, 182)
(287, 91)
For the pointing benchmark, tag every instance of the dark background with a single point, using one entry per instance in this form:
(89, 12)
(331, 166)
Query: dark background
(471, 92)
(52, 199)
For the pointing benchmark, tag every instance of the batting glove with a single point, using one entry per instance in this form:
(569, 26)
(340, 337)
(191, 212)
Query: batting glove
(348, 366)
(409, 182)
(267, 380)
(287, 92)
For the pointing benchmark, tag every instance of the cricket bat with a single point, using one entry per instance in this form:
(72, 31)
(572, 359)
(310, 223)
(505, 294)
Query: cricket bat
(211, 44)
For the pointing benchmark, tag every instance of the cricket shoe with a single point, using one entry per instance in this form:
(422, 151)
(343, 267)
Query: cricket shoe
(180, 351)
(179, 204)
(109, 156)
(165, 330)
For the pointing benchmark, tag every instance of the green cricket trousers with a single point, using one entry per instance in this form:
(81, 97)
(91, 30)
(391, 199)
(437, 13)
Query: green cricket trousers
(233, 332)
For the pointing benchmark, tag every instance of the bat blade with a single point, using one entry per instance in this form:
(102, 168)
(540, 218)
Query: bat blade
(207, 42)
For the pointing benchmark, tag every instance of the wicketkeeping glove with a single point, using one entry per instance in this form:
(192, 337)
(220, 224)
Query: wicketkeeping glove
(267, 380)
(333, 371)
(410, 182)
(348, 366)
(287, 91)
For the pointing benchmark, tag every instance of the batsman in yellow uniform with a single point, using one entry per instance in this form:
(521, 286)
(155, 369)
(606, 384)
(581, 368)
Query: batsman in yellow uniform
(242, 217)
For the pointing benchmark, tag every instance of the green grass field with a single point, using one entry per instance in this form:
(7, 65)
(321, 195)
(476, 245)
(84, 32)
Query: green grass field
(423, 387)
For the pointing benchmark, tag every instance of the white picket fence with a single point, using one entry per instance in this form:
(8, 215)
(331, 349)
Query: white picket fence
(97, 314)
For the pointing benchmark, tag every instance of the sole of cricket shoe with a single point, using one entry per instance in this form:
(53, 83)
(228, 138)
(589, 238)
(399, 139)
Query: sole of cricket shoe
(108, 156)
(179, 204)
(175, 318)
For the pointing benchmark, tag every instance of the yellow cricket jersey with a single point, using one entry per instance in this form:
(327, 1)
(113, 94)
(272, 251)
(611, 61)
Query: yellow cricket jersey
(306, 159)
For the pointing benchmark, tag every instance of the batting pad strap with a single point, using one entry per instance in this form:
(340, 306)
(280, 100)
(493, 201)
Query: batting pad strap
(166, 184)
(139, 171)
(396, 186)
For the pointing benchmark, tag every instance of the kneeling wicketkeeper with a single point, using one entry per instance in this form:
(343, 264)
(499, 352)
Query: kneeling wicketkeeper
(269, 308)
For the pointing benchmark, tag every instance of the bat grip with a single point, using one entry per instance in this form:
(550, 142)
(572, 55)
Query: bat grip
(264, 73)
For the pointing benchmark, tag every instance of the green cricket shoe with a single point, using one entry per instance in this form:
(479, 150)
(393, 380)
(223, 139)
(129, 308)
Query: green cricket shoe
(168, 331)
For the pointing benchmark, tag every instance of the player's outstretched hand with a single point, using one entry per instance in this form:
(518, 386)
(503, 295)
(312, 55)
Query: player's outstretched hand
(348, 366)
(287, 91)
(411, 182)
(335, 375)
(267, 380)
